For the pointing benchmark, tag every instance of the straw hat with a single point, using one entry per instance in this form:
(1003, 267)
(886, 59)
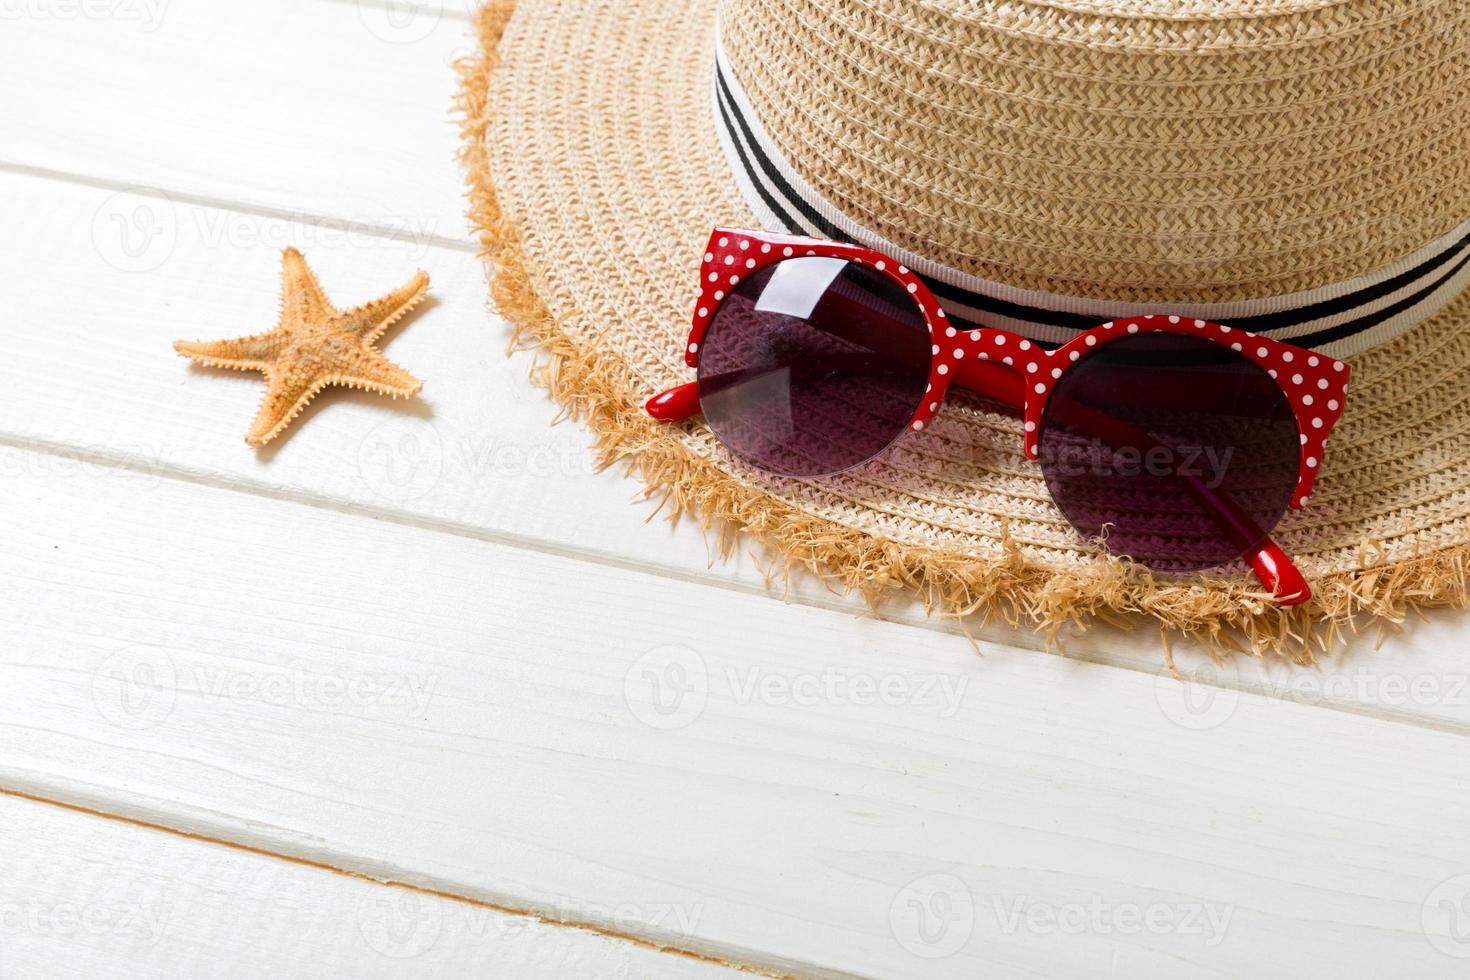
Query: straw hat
(1303, 165)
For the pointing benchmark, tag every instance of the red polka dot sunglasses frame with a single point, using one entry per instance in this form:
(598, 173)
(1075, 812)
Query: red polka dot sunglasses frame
(1007, 368)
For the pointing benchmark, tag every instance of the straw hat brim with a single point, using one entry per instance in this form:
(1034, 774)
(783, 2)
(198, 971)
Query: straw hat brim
(595, 175)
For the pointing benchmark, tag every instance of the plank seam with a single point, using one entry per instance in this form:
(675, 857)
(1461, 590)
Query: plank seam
(445, 10)
(240, 207)
(437, 893)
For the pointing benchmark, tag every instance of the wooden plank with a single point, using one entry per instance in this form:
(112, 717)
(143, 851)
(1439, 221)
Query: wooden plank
(756, 782)
(89, 373)
(85, 896)
(339, 110)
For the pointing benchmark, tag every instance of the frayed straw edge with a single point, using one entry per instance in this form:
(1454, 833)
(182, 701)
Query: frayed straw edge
(1224, 617)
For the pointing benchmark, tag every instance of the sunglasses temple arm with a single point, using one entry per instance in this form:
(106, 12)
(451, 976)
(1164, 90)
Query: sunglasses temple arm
(1273, 568)
(675, 405)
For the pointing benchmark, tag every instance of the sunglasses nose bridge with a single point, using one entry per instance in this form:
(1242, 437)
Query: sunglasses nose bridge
(994, 379)
(1000, 382)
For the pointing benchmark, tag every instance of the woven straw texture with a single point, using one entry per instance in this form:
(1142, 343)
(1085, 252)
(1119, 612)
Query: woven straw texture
(595, 174)
(1123, 158)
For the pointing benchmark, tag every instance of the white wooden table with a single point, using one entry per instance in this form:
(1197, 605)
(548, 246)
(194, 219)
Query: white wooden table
(428, 645)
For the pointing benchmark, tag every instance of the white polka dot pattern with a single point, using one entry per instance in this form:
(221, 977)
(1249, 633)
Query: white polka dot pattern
(1300, 373)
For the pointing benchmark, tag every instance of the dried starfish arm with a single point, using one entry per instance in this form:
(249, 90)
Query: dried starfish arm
(302, 299)
(255, 353)
(290, 390)
(369, 369)
(287, 392)
(368, 321)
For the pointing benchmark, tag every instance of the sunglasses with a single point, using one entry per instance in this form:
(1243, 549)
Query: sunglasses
(1174, 441)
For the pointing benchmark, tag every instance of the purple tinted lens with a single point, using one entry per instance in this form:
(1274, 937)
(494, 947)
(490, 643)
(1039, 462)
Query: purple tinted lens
(1182, 453)
(813, 365)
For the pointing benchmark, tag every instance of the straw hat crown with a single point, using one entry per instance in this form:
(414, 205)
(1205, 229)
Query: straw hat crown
(1135, 150)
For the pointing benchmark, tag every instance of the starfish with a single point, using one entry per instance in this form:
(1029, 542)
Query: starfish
(314, 345)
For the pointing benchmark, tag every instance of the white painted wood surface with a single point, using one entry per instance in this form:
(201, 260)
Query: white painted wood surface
(86, 896)
(428, 644)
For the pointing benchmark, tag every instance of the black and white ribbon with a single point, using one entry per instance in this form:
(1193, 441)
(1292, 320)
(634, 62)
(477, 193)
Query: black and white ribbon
(1339, 319)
